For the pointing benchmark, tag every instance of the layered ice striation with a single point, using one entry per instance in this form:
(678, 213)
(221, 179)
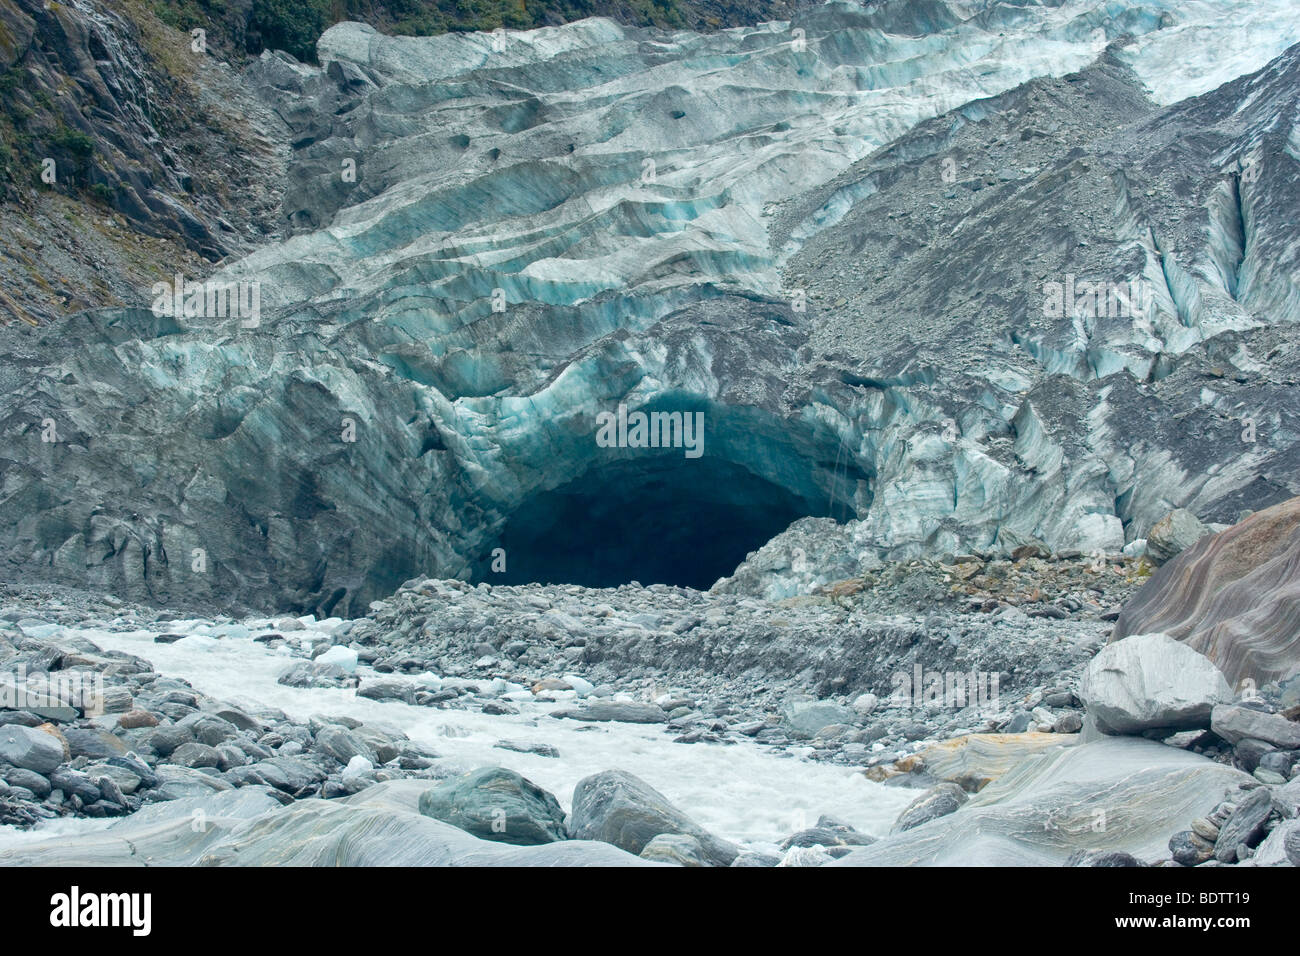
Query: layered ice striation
(829, 237)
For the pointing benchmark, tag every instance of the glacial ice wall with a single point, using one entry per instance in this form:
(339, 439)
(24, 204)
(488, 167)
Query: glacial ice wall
(500, 238)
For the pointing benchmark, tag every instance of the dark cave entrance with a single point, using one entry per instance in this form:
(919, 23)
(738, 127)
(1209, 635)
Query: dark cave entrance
(656, 520)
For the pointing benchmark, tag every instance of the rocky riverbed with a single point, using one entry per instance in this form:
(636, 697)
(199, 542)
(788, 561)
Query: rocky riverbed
(834, 724)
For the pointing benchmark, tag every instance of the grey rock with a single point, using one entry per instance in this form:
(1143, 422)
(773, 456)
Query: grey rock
(1019, 723)
(342, 744)
(28, 780)
(377, 827)
(93, 742)
(23, 718)
(528, 747)
(616, 807)
(194, 754)
(754, 858)
(1206, 829)
(1245, 826)
(1189, 849)
(1187, 739)
(1279, 761)
(16, 809)
(133, 764)
(804, 717)
(1068, 723)
(1173, 534)
(56, 713)
(1230, 596)
(385, 688)
(1035, 813)
(386, 744)
(312, 674)
(75, 783)
(936, 802)
(1102, 858)
(1272, 849)
(116, 700)
(30, 749)
(1292, 846)
(628, 712)
(126, 781)
(178, 783)
(497, 804)
(109, 790)
(1286, 800)
(1249, 752)
(208, 729)
(289, 774)
(239, 720)
(229, 755)
(164, 739)
(827, 836)
(679, 849)
(1233, 723)
(1149, 682)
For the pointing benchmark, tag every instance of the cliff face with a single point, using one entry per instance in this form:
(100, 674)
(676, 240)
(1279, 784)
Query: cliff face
(961, 276)
(126, 153)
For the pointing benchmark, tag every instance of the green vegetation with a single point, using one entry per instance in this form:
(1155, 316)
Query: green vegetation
(26, 136)
(12, 117)
(185, 14)
(291, 25)
(71, 141)
(295, 25)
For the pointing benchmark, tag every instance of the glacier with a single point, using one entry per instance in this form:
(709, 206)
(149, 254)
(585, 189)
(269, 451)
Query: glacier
(829, 236)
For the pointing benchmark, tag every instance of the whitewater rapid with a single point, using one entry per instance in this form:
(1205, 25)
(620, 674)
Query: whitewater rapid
(742, 791)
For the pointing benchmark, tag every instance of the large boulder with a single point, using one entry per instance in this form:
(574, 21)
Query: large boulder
(616, 807)
(497, 804)
(1174, 534)
(1148, 682)
(1113, 794)
(1233, 596)
(29, 748)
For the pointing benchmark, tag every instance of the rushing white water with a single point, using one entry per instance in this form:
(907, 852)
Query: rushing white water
(741, 791)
